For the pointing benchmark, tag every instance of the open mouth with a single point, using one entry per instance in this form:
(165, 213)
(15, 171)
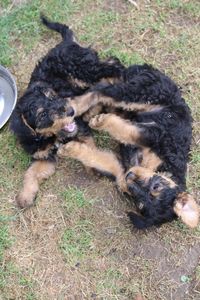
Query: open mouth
(70, 127)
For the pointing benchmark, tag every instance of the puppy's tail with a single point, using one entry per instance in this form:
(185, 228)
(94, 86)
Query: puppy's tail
(64, 30)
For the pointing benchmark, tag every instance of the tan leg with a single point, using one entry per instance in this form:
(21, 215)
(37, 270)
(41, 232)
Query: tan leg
(89, 141)
(42, 154)
(92, 112)
(36, 173)
(150, 160)
(83, 103)
(104, 161)
(122, 130)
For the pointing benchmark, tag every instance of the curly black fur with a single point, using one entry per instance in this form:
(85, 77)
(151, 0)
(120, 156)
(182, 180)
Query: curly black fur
(166, 131)
(57, 74)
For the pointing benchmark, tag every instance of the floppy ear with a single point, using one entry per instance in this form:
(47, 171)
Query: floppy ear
(139, 221)
(187, 209)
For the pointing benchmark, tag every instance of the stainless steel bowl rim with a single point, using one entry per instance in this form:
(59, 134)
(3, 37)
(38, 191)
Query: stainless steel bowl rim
(9, 77)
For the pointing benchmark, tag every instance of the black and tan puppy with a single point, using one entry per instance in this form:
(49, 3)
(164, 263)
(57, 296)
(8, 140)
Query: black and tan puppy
(155, 136)
(44, 117)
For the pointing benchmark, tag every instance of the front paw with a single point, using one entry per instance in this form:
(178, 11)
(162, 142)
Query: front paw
(43, 154)
(69, 149)
(98, 121)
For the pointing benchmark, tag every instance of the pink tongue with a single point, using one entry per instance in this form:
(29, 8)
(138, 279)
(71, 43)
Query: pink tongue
(70, 127)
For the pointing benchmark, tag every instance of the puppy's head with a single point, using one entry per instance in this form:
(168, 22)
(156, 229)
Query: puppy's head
(48, 115)
(159, 199)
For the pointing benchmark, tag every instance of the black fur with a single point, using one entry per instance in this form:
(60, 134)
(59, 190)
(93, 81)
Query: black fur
(54, 79)
(167, 132)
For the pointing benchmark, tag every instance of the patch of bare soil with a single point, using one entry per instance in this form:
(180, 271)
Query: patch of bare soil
(116, 5)
(151, 262)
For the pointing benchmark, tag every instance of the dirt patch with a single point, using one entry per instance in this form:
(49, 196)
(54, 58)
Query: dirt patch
(116, 6)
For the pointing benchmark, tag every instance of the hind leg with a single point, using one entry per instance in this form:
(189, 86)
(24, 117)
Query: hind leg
(104, 161)
(36, 173)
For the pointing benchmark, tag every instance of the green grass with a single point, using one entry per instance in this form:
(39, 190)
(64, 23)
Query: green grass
(194, 179)
(5, 240)
(13, 159)
(9, 273)
(74, 199)
(192, 7)
(97, 22)
(123, 56)
(77, 242)
(12, 154)
(21, 28)
(11, 278)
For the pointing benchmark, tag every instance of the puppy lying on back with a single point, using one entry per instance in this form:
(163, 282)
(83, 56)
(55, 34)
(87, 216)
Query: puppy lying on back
(155, 136)
(44, 116)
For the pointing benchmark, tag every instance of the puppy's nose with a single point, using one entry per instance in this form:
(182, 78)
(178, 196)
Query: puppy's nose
(70, 112)
(130, 176)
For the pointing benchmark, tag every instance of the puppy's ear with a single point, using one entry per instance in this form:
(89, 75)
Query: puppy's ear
(138, 221)
(187, 209)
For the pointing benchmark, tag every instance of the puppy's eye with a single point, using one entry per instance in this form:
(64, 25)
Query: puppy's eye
(43, 114)
(156, 187)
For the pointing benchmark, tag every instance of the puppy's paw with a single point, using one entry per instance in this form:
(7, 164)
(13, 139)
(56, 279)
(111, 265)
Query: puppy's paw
(69, 150)
(25, 200)
(98, 121)
(43, 154)
(92, 112)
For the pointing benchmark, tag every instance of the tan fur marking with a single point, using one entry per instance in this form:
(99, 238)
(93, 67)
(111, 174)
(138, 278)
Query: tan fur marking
(78, 82)
(56, 127)
(92, 112)
(39, 110)
(110, 80)
(145, 174)
(187, 209)
(25, 122)
(120, 129)
(50, 93)
(88, 140)
(82, 103)
(36, 173)
(150, 159)
(105, 161)
(42, 154)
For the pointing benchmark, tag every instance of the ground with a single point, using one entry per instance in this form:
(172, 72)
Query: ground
(76, 242)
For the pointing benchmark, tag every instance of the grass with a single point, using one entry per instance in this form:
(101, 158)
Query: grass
(77, 241)
(21, 28)
(9, 273)
(74, 199)
(5, 240)
(12, 159)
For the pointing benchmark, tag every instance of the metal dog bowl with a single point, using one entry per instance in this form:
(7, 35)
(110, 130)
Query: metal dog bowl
(8, 95)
